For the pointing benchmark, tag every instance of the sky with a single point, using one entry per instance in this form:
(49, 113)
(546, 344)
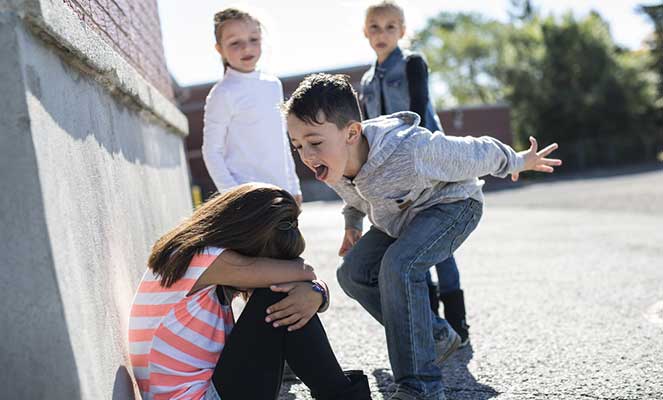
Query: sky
(312, 35)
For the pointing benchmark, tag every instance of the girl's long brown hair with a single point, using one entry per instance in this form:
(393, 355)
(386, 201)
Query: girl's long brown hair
(253, 219)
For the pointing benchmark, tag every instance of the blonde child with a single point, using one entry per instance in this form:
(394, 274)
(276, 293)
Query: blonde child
(398, 81)
(183, 340)
(244, 137)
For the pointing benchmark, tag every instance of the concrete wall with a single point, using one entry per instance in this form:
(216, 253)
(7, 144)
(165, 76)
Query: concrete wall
(92, 171)
(133, 30)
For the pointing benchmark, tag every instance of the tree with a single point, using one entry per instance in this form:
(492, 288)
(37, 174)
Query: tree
(655, 14)
(461, 49)
(568, 82)
(564, 78)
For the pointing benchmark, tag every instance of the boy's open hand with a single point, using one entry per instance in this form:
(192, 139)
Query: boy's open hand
(349, 239)
(537, 161)
(297, 308)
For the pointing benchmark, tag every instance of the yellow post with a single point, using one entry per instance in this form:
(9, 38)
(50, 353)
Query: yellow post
(196, 196)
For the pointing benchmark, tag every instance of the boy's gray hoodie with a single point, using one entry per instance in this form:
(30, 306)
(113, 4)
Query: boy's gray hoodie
(410, 169)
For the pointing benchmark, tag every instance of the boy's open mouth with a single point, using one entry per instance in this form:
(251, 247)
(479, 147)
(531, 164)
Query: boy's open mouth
(320, 172)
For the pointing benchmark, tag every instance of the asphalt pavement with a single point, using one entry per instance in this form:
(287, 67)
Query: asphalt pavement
(563, 283)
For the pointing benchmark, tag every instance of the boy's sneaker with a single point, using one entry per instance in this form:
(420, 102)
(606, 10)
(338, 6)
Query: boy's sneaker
(445, 346)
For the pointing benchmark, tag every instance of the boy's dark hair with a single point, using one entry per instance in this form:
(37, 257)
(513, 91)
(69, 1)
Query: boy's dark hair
(332, 95)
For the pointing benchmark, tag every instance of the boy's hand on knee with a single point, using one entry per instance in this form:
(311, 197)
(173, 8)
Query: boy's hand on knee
(349, 239)
(536, 160)
(301, 304)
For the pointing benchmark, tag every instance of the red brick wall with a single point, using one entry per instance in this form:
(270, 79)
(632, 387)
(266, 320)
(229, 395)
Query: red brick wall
(491, 120)
(133, 29)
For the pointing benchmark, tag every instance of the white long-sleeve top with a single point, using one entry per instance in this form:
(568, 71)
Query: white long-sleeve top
(244, 137)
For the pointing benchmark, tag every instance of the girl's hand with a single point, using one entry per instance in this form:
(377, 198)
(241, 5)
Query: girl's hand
(297, 308)
(536, 161)
(351, 237)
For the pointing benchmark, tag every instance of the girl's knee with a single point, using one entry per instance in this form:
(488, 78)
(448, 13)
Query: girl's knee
(266, 296)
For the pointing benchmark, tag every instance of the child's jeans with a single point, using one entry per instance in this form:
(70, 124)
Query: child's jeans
(387, 277)
(448, 277)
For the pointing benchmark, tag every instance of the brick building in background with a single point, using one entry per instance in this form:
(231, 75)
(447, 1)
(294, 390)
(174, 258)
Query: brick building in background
(92, 171)
(493, 120)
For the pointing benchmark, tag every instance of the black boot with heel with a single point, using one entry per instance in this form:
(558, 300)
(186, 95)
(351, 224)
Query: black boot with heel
(454, 313)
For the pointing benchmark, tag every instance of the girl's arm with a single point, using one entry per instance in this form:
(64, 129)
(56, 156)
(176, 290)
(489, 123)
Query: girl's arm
(216, 120)
(233, 269)
(416, 71)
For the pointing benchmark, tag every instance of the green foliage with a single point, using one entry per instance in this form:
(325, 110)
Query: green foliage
(655, 14)
(565, 79)
(462, 50)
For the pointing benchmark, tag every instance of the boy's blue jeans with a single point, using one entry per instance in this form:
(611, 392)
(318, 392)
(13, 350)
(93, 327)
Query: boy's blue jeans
(448, 277)
(387, 277)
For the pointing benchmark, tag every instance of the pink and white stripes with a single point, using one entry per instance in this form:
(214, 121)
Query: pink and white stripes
(175, 341)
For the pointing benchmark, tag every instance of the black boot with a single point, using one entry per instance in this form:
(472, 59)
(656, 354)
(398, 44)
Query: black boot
(454, 313)
(432, 295)
(358, 389)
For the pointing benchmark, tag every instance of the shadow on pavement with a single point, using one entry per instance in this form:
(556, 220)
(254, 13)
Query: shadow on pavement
(385, 381)
(459, 382)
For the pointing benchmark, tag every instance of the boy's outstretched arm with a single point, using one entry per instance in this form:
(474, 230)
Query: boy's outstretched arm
(454, 159)
(536, 160)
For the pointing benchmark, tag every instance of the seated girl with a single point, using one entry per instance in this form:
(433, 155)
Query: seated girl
(184, 343)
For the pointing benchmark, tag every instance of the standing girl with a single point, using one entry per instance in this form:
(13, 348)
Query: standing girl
(244, 137)
(398, 81)
(182, 340)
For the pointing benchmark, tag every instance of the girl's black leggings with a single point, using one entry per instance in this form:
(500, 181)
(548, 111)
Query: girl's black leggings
(251, 363)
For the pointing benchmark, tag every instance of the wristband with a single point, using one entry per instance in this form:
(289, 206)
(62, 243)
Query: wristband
(318, 287)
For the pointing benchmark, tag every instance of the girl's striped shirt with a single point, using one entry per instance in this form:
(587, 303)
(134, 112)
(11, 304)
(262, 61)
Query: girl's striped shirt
(175, 340)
